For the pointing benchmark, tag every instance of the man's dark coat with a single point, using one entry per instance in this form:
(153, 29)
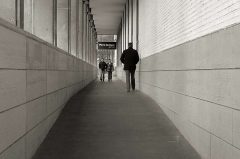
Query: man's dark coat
(102, 65)
(129, 58)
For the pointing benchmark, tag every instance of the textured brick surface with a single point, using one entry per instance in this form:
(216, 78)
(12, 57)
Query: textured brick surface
(164, 24)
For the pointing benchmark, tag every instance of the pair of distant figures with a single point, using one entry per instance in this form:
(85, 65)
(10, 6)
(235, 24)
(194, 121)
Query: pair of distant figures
(106, 67)
(129, 58)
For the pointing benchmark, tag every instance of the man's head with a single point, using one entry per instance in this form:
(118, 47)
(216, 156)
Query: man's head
(130, 45)
(109, 60)
(102, 59)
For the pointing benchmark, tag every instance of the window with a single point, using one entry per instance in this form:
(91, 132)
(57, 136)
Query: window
(8, 10)
(74, 6)
(62, 24)
(38, 18)
(43, 19)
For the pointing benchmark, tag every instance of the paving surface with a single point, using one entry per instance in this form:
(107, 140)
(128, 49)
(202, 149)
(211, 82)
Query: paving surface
(103, 121)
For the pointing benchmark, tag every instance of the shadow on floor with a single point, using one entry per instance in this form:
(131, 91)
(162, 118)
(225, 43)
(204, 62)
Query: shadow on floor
(103, 121)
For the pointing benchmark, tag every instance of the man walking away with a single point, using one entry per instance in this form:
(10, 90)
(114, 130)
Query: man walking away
(110, 69)
(130, 58)
(102, 67)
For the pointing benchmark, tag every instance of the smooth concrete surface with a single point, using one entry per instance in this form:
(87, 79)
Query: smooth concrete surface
(36, 81)
(197, 86)
(103, 121)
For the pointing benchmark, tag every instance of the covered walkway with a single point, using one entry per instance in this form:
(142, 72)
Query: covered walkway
(104, 122)
(189, 71)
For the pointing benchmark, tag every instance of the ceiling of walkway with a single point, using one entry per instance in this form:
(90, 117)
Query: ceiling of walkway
(107, 15)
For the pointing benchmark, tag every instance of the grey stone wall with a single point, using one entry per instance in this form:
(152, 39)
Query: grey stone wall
(36, 81)
(197, 86)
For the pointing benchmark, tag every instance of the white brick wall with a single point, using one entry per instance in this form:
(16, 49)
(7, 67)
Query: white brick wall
(195, 83)
(167, 23)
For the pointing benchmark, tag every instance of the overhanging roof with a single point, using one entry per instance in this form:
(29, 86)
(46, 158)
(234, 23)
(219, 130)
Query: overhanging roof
(107, 15)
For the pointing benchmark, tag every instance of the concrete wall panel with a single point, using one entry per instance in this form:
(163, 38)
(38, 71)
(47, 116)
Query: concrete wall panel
(201, 84)
(220, 149)
(190, 66)
(52, 102)
(193, 116)
(222, 123)
(62, 97)
(62, 79)
(36, 81)
(36, 84)
(53, 80)
(218, 50)
(235, 153)
(236, 128)
(63, 62)
(36, 112)
(52, 59)
(34, 138)
(36, 55)
(196, 85)
(12, 88)
(16, 151)
(12, 49)
(70, 63)
(13, 126)
(198, 138)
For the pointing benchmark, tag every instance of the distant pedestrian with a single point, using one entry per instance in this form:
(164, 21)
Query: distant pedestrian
(102, 67)
(110, 69)
(130, 58)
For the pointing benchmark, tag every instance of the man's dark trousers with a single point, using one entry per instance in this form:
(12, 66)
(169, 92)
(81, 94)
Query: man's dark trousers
(130, 58)
(130, 76)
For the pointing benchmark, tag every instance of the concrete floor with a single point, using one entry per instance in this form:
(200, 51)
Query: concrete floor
(103, 121)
